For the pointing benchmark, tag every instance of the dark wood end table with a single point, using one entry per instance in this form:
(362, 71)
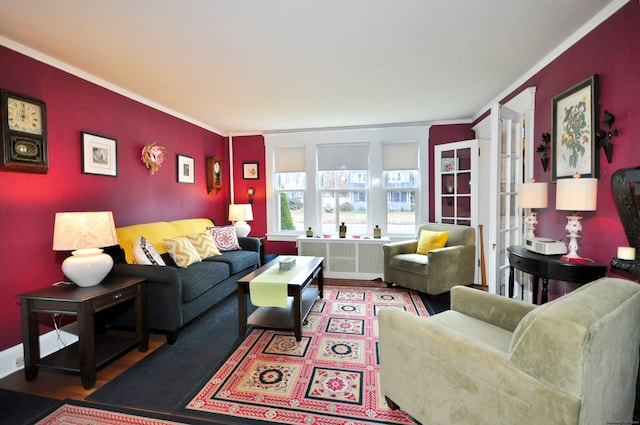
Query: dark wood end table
(292, 317)
(90, 352)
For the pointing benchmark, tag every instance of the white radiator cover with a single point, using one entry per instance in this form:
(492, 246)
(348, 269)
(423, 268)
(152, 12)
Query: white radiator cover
(346, 258)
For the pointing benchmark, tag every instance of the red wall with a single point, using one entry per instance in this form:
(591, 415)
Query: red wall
(28, 201)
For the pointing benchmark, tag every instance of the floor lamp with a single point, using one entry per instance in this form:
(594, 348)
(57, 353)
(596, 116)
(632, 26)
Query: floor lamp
(576, 194)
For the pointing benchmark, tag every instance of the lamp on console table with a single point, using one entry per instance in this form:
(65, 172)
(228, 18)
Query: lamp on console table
(576, 194)
(532, 195)
(239, 214)
(85, 233)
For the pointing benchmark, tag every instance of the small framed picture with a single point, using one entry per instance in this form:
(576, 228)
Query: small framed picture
(99, 155)
(250, 171)
(186, 169)
(449, 165)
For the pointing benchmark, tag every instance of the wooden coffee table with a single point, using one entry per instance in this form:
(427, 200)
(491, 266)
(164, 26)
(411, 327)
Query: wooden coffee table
(302, 296)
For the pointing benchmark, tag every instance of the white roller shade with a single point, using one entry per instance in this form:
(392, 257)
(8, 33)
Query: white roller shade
(348, 156)
(289, 159)
(400, 156)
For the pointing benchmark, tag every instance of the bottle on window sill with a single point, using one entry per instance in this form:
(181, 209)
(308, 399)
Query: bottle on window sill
(309, 233)
(377, 232)
(343, 230)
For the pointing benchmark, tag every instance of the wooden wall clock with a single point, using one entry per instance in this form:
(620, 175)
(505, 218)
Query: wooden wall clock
(24, 134)
(214, 174)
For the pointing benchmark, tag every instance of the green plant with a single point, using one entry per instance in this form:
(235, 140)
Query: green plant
(286, 221)
(575, 134)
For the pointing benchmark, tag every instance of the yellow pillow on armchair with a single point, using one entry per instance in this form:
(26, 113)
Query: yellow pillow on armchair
(431, 240)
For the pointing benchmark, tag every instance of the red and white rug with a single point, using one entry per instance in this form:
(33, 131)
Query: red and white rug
(330, 377)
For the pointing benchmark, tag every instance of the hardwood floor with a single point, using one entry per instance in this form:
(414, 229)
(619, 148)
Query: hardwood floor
(59, 385)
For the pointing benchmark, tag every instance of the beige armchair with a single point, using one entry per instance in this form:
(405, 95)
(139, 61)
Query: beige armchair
(440, 269)
(494, 360)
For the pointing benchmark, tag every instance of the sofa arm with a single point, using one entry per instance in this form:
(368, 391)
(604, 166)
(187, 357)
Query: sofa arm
(249, 243)
(164, 293)
(503, 312)
(402, 247)
(451, 265)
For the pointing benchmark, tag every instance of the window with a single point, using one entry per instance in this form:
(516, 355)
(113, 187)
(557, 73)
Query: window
(343, 172)
(401, 183)
(290, 188)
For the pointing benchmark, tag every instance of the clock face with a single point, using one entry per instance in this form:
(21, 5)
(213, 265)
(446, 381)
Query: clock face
(24, 116)
(216, 167)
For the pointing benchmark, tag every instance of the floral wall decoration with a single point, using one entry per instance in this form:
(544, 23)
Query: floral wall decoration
(153, 157)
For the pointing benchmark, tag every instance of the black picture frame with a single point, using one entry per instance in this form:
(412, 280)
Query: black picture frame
(574, 125)
(186, 169)
(24, 146)
(99, 154)
(250, 171)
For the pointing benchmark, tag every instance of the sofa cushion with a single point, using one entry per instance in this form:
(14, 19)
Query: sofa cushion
(200, 277)
(204, 244)
(237, 260)
(182, 251)
(226, 238)
(473, 328)
(430, 240)
(156, 233)
(414, 263)
(145, 253)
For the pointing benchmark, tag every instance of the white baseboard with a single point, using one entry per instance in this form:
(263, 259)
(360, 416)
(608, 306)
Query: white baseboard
(12, 359)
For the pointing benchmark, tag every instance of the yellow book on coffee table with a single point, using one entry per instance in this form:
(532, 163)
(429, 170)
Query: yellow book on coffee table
(270, 288)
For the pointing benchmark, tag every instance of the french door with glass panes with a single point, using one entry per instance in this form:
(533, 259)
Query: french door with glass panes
(456, 184)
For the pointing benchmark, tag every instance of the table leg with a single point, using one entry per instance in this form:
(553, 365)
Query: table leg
(142, 332)
(31, 341)
(511, 279)
(87, 345)
(320, 281)
(534, 289)
(297, 313)
(242, 309)
(545, 291)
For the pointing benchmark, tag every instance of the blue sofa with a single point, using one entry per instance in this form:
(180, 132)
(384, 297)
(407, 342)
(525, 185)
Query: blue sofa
(176, 295)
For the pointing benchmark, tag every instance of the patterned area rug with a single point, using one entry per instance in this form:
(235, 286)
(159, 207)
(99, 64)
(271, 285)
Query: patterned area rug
(330, 377)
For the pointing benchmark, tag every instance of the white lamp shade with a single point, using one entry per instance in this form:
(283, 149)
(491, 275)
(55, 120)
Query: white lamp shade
(533, 195)
(77, 230)
(577, 194)
(240, 212)
(85, 233)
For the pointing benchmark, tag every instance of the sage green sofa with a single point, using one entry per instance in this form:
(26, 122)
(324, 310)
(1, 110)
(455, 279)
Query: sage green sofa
(439, 270)
(494, 360)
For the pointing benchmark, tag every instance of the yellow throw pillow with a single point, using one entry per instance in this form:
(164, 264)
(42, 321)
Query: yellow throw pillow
(431, 240)
(204, 244)
(182, 251)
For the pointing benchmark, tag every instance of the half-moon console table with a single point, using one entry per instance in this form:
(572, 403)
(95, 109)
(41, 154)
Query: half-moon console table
(549, 267)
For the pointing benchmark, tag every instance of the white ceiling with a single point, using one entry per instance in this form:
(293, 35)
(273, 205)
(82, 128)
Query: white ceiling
(264, 65)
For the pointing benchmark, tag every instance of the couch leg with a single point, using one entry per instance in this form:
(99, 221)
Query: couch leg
(172, 337)
(391, 404)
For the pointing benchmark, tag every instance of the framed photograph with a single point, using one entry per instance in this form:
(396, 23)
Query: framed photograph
(574, 115)
(186, 169)
(250, 171)
(99, 155)
(449, 165)
(23, 134)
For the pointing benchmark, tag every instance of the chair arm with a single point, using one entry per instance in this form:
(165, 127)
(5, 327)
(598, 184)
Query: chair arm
(432, 372)
(249, 243)
(452, 265)
(503, 312)
(401, 247)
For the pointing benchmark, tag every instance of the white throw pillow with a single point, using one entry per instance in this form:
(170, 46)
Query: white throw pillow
(145, 253)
